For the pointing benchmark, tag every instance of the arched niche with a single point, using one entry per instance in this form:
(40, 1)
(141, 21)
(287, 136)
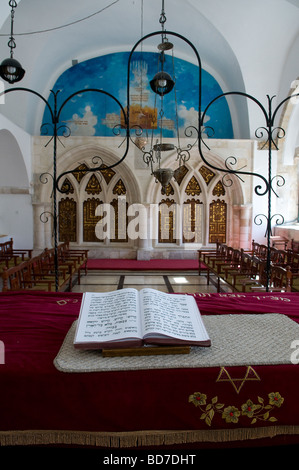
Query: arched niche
(232, 197)
(13, 172)
(84, 153)
(15, 193)
(73, 158)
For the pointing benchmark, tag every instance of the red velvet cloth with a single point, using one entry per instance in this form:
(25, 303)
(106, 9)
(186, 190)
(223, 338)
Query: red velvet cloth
(36, 396)
(144, 265)
(251, 302)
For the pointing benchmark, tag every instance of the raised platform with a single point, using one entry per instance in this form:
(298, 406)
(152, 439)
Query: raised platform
(143, 265)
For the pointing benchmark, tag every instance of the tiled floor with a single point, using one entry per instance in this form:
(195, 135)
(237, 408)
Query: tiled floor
(179, 282)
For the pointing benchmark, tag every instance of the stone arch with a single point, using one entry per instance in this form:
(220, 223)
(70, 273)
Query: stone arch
(70, 160)
(234, 197)
(84, 154)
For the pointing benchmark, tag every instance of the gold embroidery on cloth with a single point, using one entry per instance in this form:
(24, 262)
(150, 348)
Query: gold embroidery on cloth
(237, 383)
(256, 411)
(64, 302)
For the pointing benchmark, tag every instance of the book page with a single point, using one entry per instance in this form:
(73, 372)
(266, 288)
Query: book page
(174, 315)
(109, 316)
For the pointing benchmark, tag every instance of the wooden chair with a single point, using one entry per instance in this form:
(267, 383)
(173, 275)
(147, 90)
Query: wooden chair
(280, 281)
(258, 276)
(19, 278)
(45, 269)
(245, 268)
(11, 257)
(205, 255)
(74, 258)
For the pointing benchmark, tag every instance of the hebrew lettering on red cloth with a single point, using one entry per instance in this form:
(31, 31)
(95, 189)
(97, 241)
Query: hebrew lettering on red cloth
(34, 395)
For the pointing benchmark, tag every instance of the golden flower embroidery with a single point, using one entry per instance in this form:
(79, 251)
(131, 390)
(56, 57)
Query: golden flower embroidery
(198, 399)
(249, 408)
(275, 399)
(231, 414)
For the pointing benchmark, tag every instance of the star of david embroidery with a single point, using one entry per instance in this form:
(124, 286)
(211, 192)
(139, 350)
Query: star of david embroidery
(237, 383)
(64, 302)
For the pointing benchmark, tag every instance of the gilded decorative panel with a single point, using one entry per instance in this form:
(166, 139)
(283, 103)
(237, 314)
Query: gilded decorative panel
(119, 188)
(218, 190)
(167, 221)
(119, 211)
(207, 174)
(93, 186)
(193, 188)
(107, 173)
(67, 221)
(192, 221)
(168, 191)
(90, 220)
(80, 172)
(67, 187)
(217, 221)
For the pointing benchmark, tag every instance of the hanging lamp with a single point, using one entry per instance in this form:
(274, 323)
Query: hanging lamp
(10, 69)
(162, 84)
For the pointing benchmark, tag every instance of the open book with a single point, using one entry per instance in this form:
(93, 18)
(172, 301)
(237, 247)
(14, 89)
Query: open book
(130, 318)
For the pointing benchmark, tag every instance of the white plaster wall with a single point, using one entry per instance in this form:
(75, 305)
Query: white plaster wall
(16, 219)
(16, 214)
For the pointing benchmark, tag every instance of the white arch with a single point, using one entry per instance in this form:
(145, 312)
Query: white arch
(236, 193)
(70, 160)
(13, 171)
(84, 153)
(234, 196)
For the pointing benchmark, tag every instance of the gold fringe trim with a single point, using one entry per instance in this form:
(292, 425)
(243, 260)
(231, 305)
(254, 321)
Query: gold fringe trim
(140, 438)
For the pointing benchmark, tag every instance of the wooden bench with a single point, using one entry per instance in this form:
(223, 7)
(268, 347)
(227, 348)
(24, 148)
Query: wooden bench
(75, 258)
(280, 281)
(244, 270)
(205, 255)
(44, 267)
(37, 273)
(10, 257)
(219, 262)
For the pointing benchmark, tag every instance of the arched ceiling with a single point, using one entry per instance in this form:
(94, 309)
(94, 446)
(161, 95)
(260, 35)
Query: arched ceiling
(247, 46)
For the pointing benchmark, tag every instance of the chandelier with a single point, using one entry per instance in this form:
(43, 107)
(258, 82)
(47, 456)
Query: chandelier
(10, 69)
(156, 149)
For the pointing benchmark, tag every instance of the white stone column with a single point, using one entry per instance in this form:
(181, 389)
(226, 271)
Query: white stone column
(245, 226)
(43, 225)
(38, 229)
(144, 242)
(234, 227)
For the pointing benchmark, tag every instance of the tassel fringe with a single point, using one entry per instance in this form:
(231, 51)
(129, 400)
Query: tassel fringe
(140, 438)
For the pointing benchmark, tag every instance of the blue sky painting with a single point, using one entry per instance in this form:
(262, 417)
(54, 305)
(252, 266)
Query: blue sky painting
(94, 113)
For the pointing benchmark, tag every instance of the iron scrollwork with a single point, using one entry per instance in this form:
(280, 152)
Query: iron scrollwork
(265, 187)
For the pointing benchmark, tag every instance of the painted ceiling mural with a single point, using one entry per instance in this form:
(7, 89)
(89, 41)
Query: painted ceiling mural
(96, 114)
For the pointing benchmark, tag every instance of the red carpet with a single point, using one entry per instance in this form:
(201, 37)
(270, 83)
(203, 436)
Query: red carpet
(143, 265)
